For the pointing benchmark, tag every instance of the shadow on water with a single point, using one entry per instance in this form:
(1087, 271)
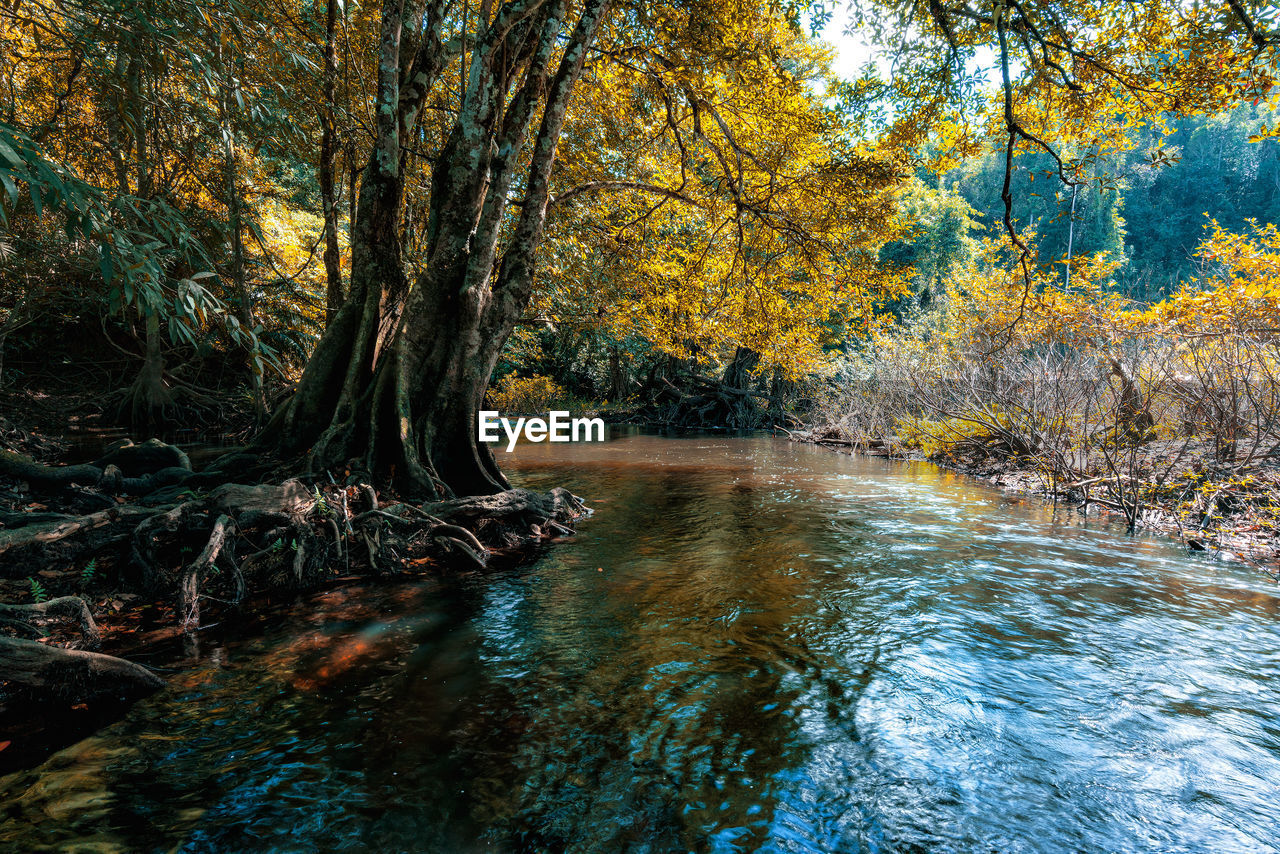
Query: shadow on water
(750, 646)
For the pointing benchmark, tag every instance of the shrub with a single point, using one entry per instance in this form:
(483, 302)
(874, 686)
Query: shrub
(524, 395)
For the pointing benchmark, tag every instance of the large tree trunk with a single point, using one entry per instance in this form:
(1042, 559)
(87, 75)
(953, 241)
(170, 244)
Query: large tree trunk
(743, 410)
(738, 373)
(148, 402)
(235, 227)
(395, 383)
(329, 164)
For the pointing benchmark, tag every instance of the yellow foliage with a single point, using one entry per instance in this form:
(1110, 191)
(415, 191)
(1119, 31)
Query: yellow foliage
(993, 302)
(155, 115)
(934, 436)
(525, 394)
(748, 216)
(1241, 291)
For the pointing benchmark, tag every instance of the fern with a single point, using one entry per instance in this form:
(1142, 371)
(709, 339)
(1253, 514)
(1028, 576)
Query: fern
(38, 593)
(89, 571)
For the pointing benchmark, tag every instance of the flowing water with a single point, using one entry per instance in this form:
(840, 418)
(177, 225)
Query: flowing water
(751, 645)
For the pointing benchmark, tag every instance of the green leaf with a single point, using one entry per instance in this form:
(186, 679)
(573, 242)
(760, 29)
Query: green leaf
(10, 186)
(9, 154)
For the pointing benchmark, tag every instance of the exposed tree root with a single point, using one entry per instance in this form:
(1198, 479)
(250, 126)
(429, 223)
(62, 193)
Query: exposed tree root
(190, 589)
(26, 550)
(145, 458)
(208, 551)
(284, 535)
(63, 606)
(129, 469)
(736, 400)
(42, 476)
(510, 518)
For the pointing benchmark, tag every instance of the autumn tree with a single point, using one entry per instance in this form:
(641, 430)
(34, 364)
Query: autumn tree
(646, 243)
(766, 187)
(689, 159)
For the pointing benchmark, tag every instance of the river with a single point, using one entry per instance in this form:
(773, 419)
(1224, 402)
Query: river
(751, 645)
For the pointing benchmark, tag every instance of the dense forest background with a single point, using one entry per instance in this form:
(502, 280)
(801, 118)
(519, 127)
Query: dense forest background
(1151, 218)
(1036, 243)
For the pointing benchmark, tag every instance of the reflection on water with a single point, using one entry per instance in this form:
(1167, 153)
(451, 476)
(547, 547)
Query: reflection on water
(752, 645)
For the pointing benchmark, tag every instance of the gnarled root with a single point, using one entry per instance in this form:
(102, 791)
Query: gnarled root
(189, 606)
(40, 475)
(217, 547)
(513, 518)
(287, 535)
(63, 540)
(64, 606)
(129, 469)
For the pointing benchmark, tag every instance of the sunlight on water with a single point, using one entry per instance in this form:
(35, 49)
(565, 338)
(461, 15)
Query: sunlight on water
(751, 645)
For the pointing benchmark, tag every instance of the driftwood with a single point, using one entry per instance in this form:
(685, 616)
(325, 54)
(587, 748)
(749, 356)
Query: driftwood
(73, 674)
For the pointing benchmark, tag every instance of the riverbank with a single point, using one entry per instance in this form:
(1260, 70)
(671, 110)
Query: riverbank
(1168, 487)
(107, 547)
